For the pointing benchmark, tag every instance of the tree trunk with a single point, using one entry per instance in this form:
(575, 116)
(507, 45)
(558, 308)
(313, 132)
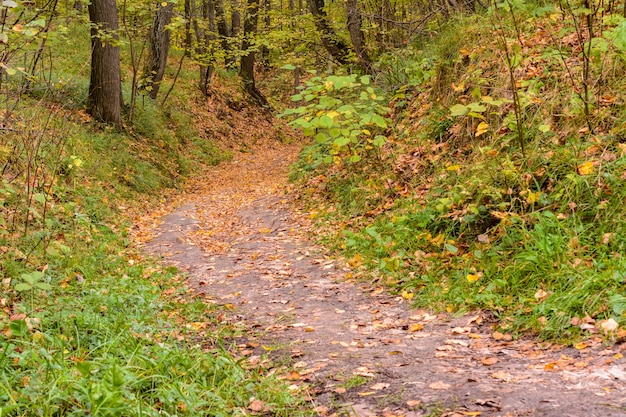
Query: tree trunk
(222, 29)
(333, 44)
(235, 29)
(159, 49)
(264, 51)
(354, 24)
(104, 102)
(206, 68)
(246, 68)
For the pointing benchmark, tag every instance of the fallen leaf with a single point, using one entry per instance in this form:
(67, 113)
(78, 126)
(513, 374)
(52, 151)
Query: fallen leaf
(489, 361)
(609, 325)
(416, 327)
(413, 403)
(585, 168)
(256, 405)
(380, 386)
(505, 376)
(439, 385)
(365, 394)
(292, 376)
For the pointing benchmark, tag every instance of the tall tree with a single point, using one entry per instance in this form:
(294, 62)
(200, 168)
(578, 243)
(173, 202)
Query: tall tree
(246, 69)
(223, 30)
(235, 30)
(105, 87)
(333, 43)
(355, 23)
(159, 45)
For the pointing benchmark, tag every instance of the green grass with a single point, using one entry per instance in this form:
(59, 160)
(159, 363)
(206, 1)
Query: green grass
(457, 220)
(87, 326)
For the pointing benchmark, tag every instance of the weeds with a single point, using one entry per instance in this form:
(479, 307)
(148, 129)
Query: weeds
(453, 218)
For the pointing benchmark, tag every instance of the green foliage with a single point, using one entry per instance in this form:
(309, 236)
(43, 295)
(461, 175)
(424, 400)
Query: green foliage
(344, 114)
(454, 218)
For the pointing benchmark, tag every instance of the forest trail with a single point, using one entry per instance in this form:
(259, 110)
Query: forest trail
(357, 350)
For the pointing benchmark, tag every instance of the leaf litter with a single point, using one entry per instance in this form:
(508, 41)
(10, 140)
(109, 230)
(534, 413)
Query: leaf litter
(352, 348)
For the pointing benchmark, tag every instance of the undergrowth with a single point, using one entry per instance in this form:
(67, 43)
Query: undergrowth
(87, 325)
(496, 189)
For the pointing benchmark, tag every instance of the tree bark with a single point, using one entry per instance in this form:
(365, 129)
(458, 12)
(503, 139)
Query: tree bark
(246, 68)
(235, 29)
(264, 51)
(222, 29)
(354, 23)
(333, 43)
(104, 102)
(159, 49)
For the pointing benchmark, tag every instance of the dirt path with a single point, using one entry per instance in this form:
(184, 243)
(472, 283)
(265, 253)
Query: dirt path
(361, 351)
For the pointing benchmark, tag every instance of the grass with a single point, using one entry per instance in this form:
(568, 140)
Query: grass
(87, 325)
(453, 216)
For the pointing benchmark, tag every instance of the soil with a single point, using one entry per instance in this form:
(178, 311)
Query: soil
(358, 350)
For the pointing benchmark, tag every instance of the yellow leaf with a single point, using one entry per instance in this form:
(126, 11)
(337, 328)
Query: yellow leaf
(472, 277)
(532, 198)
(416, 327)
(482, 128)
(585, 168)
(453, 168)
(408, 295)
(580, 346)
(365, 394)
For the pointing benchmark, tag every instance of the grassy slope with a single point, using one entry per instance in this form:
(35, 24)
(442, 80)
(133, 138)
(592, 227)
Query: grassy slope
(87, 325)
(452, 215)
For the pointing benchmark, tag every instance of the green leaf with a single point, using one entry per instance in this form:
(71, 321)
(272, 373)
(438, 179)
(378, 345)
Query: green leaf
(40, 198)
(458, 110)
(22, 286)
(476, 107)
(379, 121)
(321, 137)
(325, 121)
(618, 304)
(355, 158)
(451, 248)
(43, 286)
(6, 410)
(289, 67)
(342, 141)
(379, 140)
(296, 97)
(334, 132)
(365, 79)
(19, 328)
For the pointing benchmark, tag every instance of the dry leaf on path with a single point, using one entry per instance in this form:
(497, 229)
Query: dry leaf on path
(489, 361)
(439, 385)
(502, 375)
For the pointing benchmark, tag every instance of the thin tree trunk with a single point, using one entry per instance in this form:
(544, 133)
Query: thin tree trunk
(235, 30)
(105, 87)
(354, 24)
(264, 51)
(159, 49)
(333, 44)
(246, 68)
(222, 29)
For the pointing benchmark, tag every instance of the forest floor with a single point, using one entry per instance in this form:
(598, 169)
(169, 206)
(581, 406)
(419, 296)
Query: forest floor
(353, 348)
